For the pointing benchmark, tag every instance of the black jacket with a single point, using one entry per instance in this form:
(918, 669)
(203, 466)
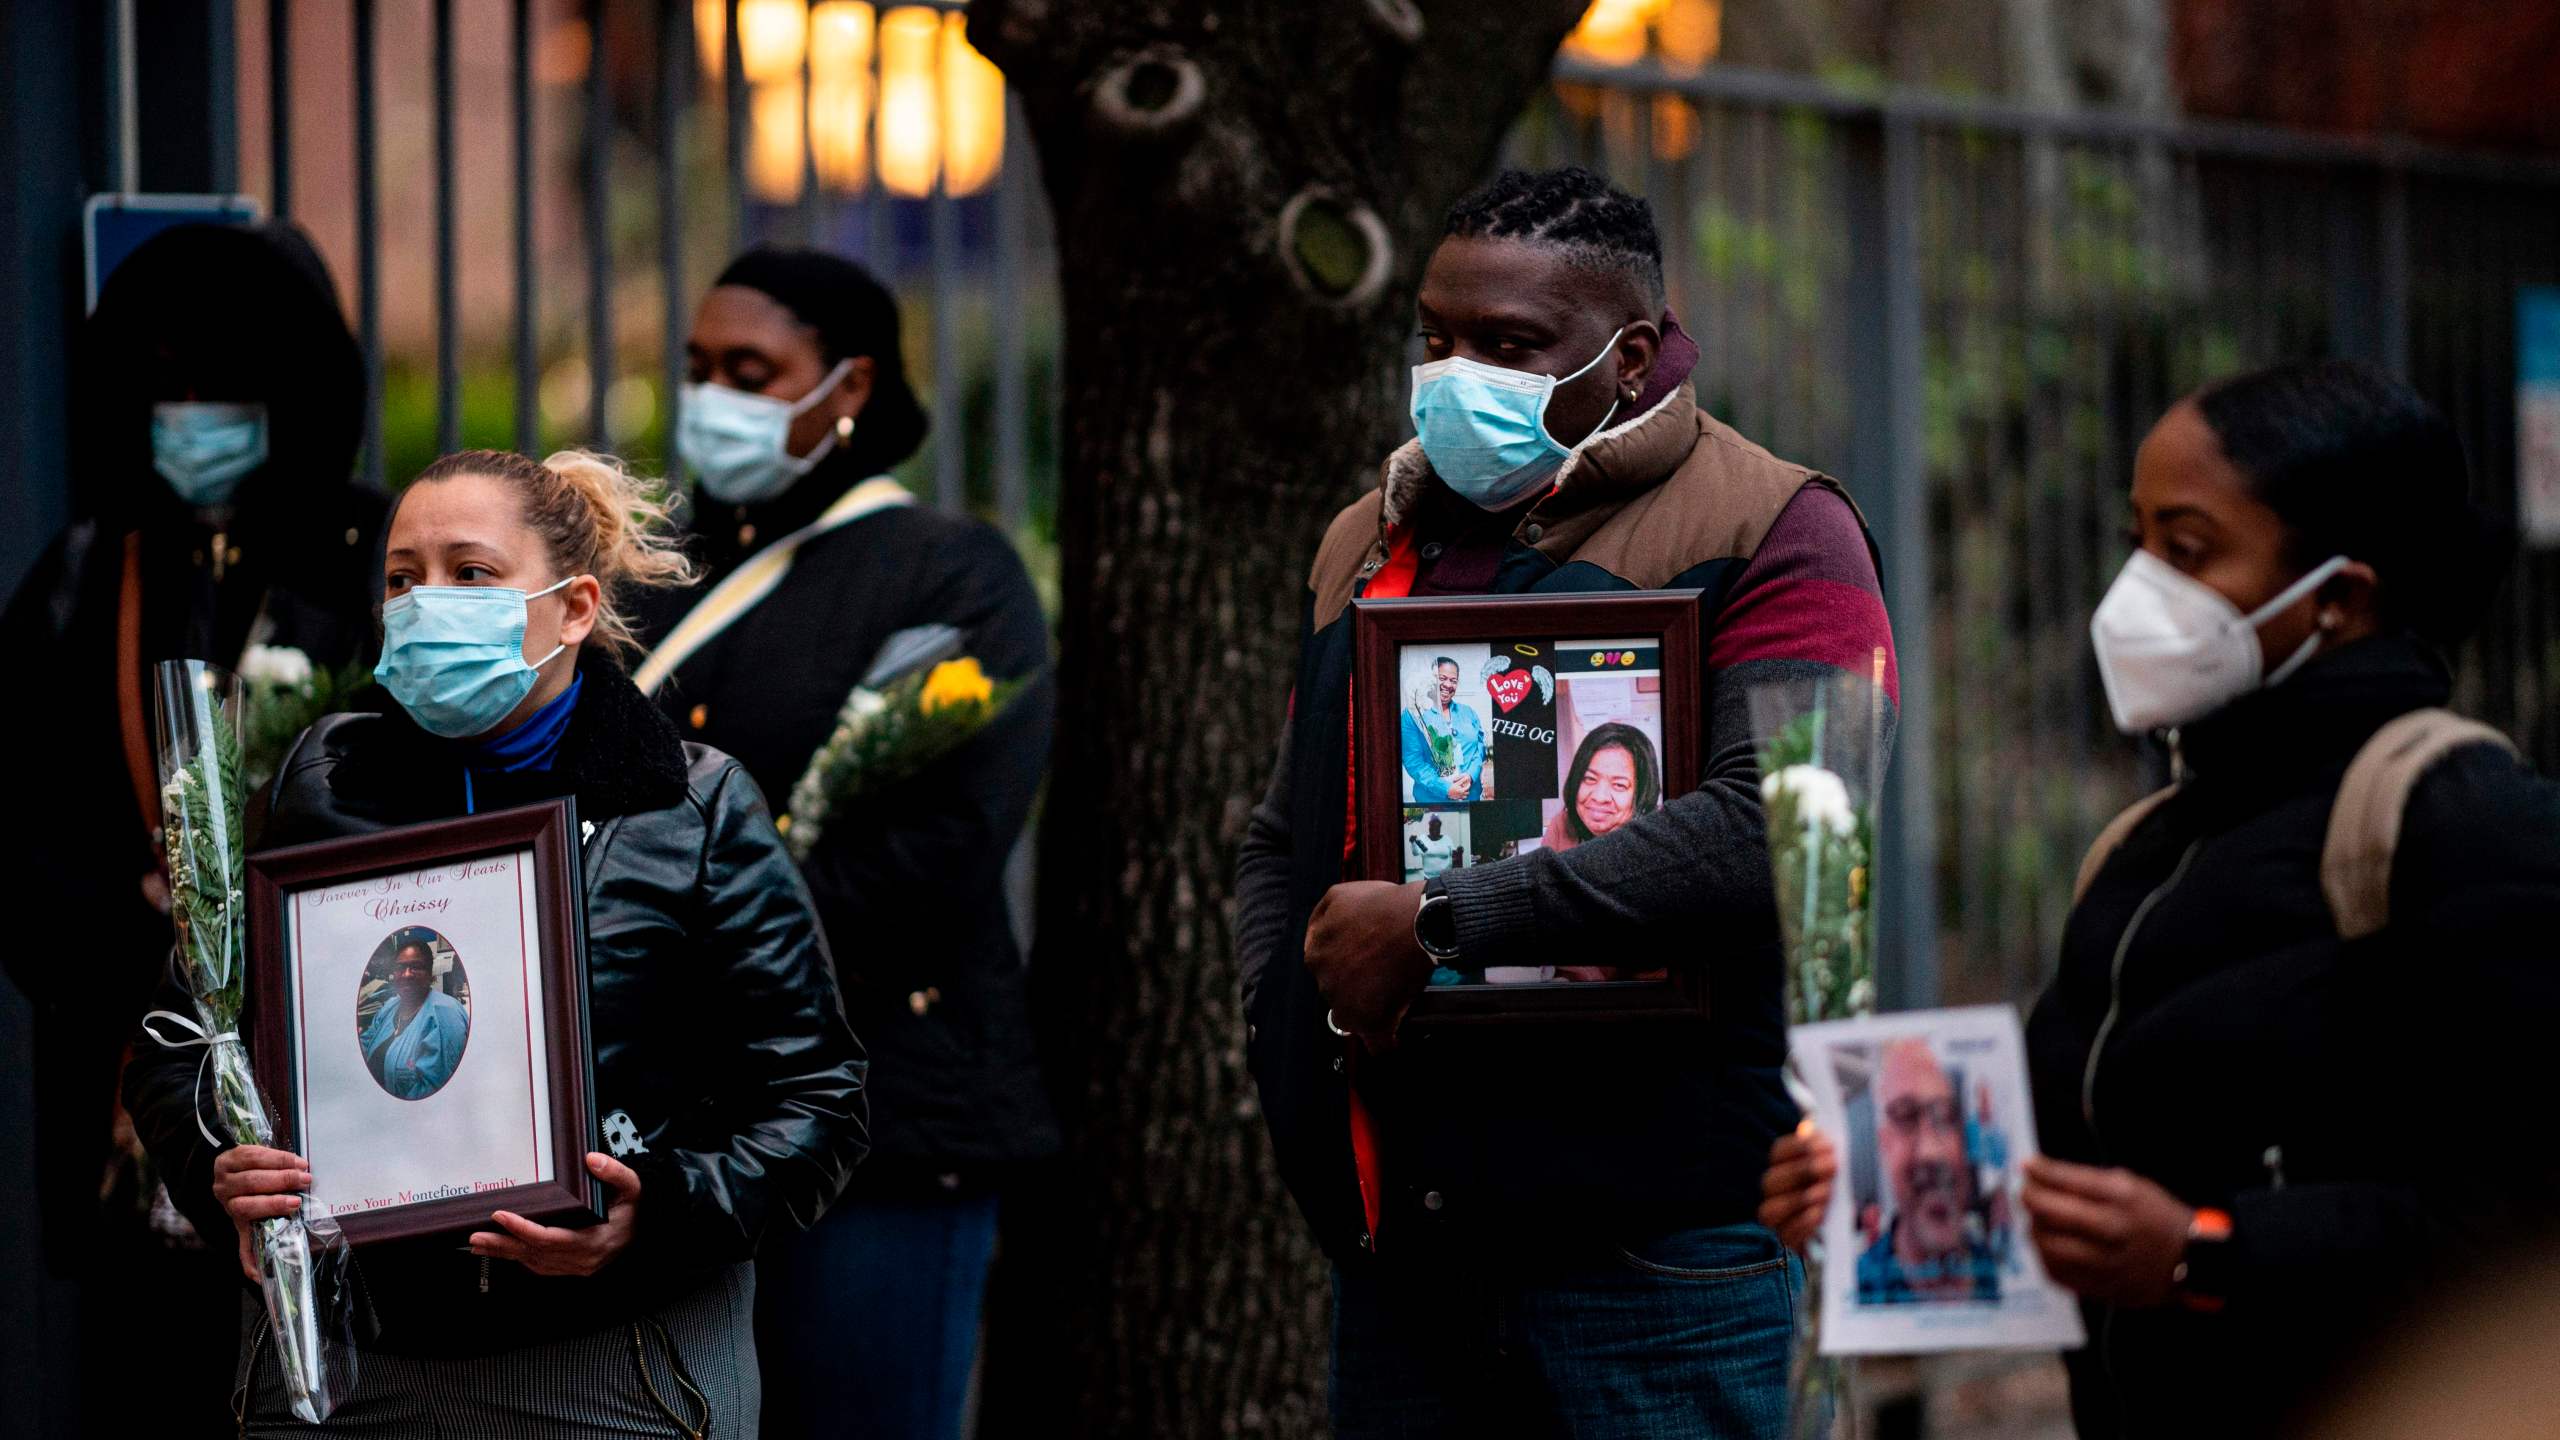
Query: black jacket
(306, 563)
(2365, 1112)
(1632, 1129)
(909, 882)
(712, 1007)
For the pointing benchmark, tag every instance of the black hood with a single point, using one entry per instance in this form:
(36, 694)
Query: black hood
(248, 312)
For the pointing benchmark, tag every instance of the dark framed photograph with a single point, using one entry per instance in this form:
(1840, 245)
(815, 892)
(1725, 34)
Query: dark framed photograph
(1490, 726)
(420, 1022)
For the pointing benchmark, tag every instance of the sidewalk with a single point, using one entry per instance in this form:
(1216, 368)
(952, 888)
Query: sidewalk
(1964, 1397)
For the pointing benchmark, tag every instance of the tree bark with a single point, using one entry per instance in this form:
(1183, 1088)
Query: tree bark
(1245, 194)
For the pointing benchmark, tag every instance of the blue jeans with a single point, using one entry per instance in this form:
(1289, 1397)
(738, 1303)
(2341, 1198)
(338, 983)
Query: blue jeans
(868, 1325)
(1683, 1334)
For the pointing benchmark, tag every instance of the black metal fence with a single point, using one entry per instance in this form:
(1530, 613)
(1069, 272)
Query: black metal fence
(1969, 310)
(1973, 312)
(663, 110)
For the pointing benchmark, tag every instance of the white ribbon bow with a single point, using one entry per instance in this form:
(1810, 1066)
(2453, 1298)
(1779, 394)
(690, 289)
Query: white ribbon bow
(210, 1043)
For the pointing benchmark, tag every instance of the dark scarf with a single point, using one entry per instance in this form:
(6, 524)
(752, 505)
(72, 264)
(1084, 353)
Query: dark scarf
(618, 755)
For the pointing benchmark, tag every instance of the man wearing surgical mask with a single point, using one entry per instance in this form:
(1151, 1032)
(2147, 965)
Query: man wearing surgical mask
(817, 564)
(218, 405)
(1512, 1267)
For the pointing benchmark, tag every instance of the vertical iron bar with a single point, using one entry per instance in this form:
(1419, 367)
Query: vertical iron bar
(2391, 302)
(1996, 183)
(733, 105)
(280, 105)
(879, 207)
(1013, 389)
(675, 65)
(448, 298)
(128, 112)
(1889, 438)
(812, 215)
(527, 356)
(1911, 854)
(951, 447)
(368, 243)
(599, 142)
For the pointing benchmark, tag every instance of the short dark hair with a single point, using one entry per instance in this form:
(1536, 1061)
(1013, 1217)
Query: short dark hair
(425, 951)
(2358, 464)
(1593, 224)
(1450, 662)
(853, 314)
(1639, 748)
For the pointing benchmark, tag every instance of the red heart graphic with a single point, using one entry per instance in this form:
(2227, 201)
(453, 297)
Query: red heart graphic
(1508, 689)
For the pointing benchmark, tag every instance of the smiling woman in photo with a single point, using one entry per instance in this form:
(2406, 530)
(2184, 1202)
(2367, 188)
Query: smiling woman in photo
(415, 1038)
(1616, 775)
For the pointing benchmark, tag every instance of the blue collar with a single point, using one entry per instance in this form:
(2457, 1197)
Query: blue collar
(531, 745)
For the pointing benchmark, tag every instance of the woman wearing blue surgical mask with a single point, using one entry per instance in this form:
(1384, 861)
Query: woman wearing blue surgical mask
(816, 561)
(728, 1081)
(216, 404)
(2278, 1066)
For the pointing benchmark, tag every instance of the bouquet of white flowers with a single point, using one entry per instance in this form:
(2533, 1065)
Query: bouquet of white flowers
(921, 700)
(1822, 760)
(281, 694)
(303, 1261)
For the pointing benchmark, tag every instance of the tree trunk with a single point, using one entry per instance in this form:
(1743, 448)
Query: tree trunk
(1245, 195)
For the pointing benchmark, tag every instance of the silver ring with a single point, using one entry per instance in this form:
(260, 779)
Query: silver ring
(1336, 1029)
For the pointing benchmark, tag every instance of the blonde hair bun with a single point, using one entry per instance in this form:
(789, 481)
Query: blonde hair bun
(597, 516)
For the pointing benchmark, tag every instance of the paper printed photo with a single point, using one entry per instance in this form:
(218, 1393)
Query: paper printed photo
(1435, 841)
(1527, 744)
(1926, 1240)
(1446, 759)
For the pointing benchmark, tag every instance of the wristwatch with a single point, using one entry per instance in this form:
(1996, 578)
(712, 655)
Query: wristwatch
(1435, 925)
(2202, 1278)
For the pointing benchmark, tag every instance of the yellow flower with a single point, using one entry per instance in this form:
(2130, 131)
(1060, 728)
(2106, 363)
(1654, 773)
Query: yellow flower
(955, 682)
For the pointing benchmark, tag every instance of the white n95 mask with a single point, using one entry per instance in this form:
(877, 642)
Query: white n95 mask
(2172, 650)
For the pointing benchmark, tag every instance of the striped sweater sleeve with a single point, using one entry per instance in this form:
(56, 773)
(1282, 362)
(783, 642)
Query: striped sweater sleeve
(1809, 602)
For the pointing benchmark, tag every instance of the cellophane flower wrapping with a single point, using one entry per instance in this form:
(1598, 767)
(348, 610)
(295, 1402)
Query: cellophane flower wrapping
(1822, 744)
(921, 700)
(304, 1266)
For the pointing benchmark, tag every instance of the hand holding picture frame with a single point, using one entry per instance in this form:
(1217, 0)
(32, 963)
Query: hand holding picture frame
(421, 1016)
(1487, 727)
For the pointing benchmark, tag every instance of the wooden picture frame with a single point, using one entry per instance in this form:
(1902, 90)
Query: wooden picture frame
(447, 1108)
(1528, 666)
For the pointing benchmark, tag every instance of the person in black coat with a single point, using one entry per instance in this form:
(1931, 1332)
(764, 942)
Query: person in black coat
(727, 1084)
(799, 403)
(2264, 1144)
(218, 400)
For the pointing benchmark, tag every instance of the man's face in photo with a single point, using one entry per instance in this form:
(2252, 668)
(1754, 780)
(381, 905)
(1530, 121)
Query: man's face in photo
(1921, 1141)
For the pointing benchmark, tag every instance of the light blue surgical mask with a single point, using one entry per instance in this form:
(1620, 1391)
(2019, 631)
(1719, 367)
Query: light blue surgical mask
(738, 445)
(203, 448)
(453, 655)
(1484, 428)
